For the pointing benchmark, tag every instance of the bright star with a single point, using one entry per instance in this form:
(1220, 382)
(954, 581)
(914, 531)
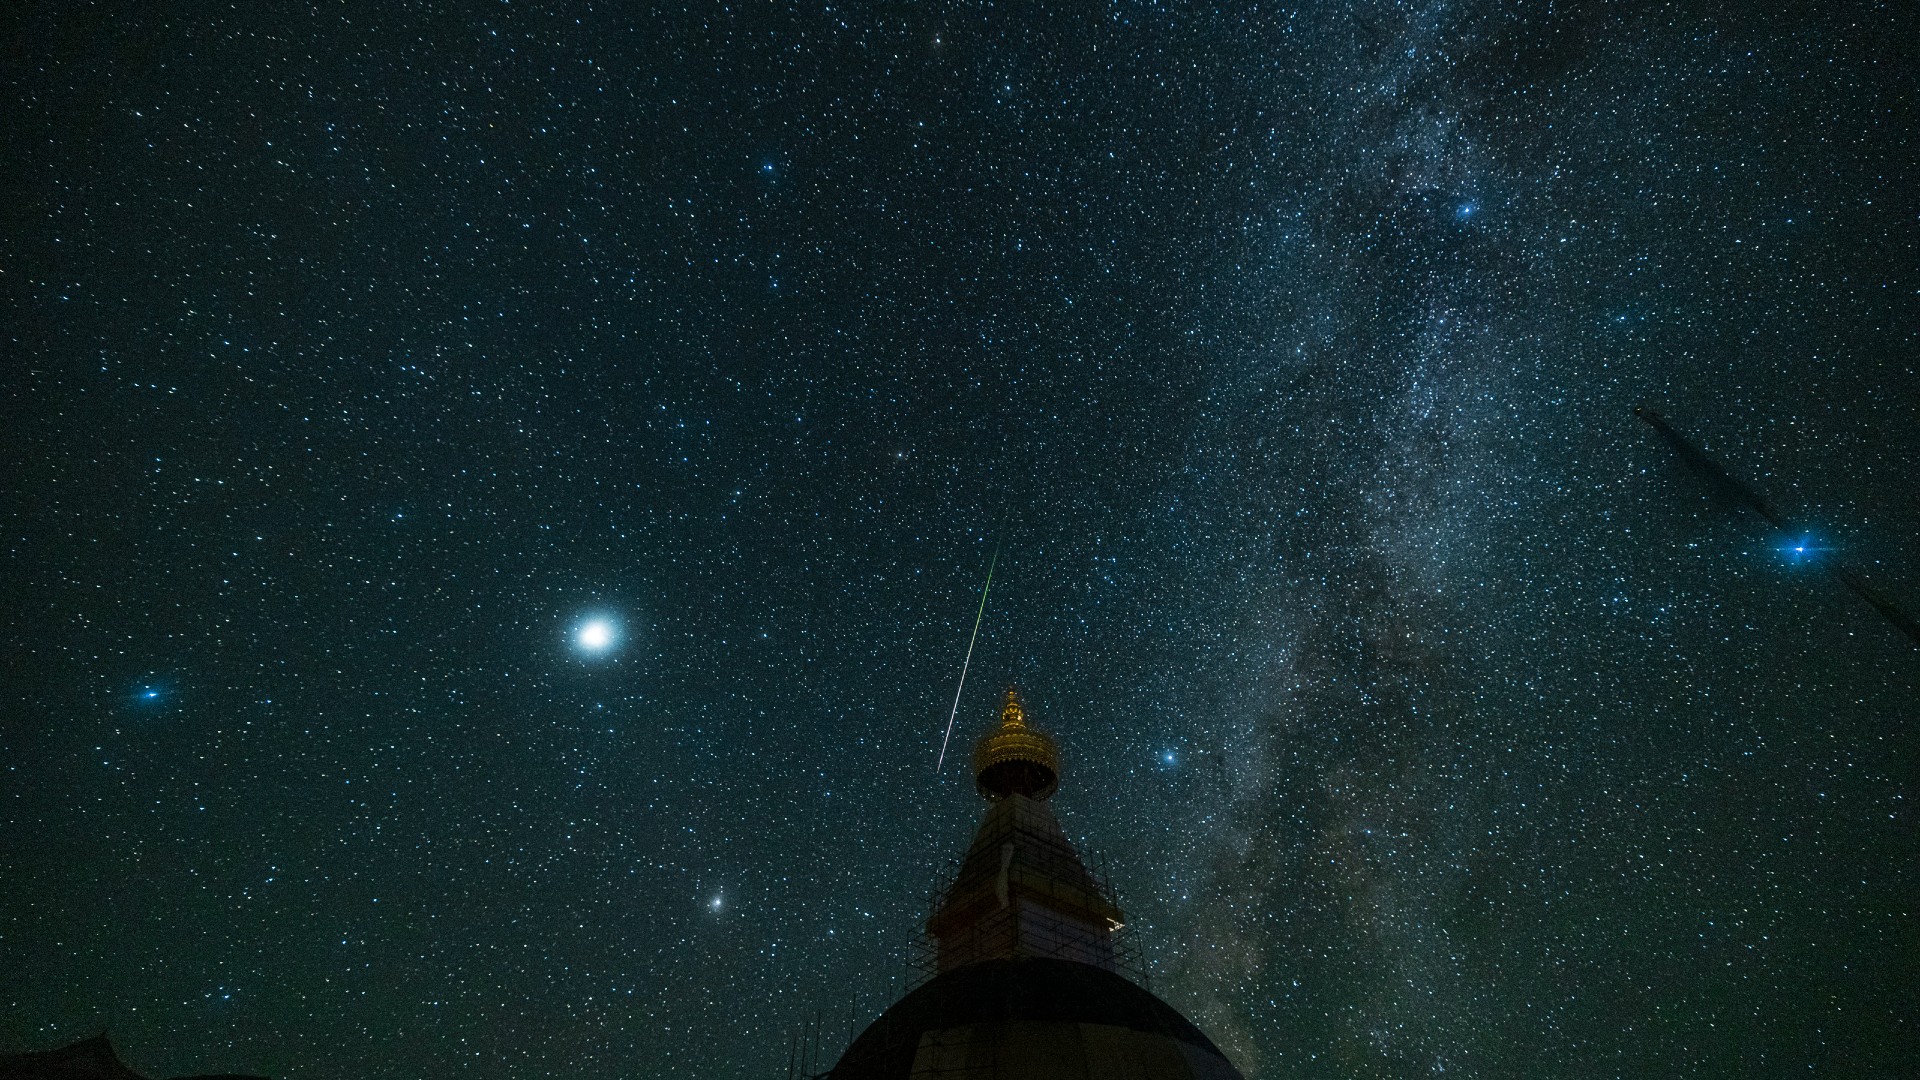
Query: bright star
(594, 635)
(1803, 548)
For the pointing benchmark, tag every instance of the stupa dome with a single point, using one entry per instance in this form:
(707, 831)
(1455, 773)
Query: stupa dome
(1032, 1019)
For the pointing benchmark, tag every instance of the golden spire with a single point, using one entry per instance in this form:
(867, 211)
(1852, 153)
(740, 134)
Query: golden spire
(1016, 759)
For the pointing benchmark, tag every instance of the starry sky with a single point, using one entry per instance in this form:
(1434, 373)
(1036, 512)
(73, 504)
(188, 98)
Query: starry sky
(495, 496)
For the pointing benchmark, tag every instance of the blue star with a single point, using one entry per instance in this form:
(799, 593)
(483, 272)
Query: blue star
(1802, 550)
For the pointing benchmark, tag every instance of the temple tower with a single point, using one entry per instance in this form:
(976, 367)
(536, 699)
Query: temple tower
(1022, 889)
(1026, 983)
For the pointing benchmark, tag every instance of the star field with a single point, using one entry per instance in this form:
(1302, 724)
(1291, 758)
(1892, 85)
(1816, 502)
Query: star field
(496, 497)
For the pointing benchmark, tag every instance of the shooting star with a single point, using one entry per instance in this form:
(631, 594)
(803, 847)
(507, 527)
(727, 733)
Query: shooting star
(977, 616)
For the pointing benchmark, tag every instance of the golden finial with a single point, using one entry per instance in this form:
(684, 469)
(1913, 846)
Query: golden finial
(1016, 759)
(1012, 713)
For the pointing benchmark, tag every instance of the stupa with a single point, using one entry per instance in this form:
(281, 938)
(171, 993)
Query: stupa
(1027, 984)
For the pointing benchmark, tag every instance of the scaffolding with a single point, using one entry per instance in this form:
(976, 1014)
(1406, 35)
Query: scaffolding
(1029, 927)
(1058, 937)
(1021, 890)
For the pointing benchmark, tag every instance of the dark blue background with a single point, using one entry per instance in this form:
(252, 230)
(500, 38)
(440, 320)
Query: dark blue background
(1431, 716)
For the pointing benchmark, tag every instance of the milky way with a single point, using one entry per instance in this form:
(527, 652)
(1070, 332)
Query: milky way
(1428, 716)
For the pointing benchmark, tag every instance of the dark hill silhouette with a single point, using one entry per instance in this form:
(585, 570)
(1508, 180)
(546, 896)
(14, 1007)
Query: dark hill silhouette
(88, 1059)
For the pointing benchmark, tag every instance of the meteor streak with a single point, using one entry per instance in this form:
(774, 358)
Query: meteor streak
(977, 616)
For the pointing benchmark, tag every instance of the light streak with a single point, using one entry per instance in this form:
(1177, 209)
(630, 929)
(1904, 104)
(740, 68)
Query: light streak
(977, 616)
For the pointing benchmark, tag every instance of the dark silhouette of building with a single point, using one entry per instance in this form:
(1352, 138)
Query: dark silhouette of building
(88, 1059)
(1027, 982)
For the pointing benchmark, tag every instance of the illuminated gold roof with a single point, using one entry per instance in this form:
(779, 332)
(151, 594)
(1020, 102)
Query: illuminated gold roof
(1016, 758)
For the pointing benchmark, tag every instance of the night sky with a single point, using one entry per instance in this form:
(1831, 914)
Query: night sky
(364, 364)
